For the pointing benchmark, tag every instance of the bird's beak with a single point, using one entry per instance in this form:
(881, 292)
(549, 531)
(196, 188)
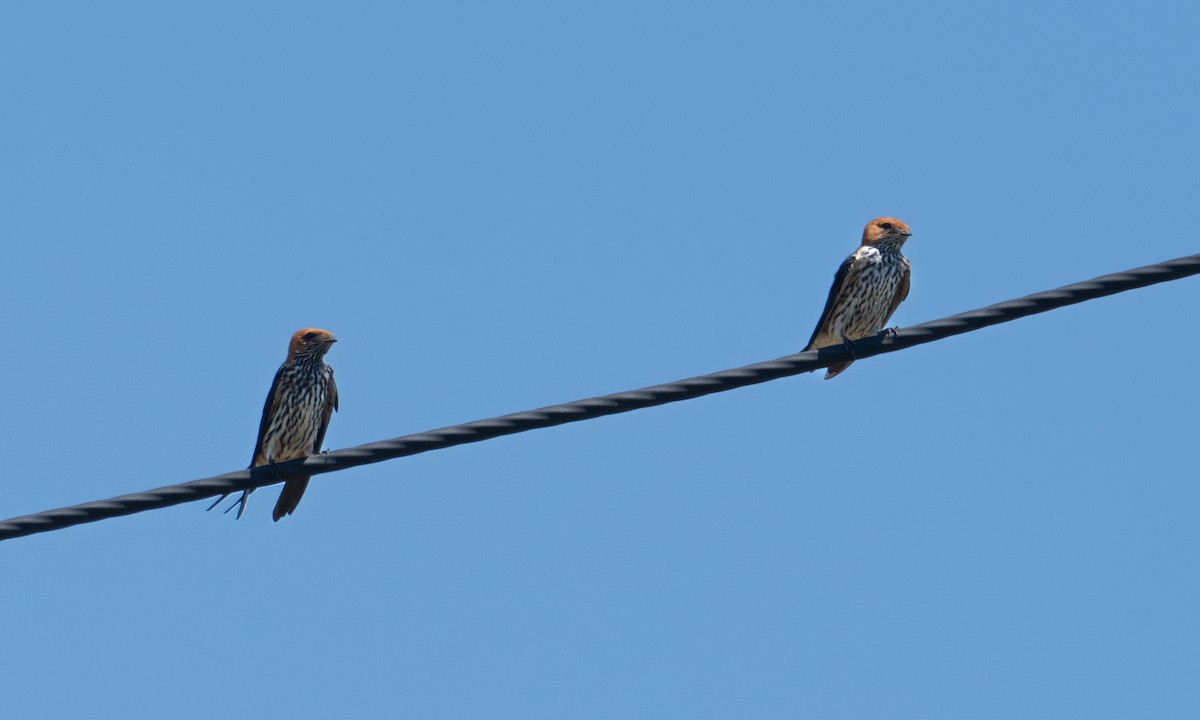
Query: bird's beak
(331, 340)
(906, 233)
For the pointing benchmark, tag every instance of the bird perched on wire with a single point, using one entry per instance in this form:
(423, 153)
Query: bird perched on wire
(867, 289)
(296, 415)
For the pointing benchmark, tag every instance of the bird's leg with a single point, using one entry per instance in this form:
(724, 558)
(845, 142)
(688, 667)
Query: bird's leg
(850, 346)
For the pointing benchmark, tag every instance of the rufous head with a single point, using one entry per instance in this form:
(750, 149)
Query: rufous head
(310, 342)
(886, 231)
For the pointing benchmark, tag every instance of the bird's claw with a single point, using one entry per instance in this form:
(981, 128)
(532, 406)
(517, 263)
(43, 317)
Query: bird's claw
(850, 346)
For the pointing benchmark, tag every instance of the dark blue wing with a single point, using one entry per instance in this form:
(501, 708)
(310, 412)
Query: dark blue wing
(838, 280)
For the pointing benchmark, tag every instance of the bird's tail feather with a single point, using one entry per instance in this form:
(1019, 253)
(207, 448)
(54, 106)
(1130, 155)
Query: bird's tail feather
(834, 370)
(289, 497)
(240, 503)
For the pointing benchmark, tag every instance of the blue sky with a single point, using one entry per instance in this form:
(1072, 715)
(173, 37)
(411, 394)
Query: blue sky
(500, 206)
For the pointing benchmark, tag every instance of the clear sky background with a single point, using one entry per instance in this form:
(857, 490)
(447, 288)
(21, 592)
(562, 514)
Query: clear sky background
(500, 206)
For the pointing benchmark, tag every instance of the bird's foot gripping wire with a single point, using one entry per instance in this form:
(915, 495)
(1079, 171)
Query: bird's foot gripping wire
(850, 346)
(892, 331)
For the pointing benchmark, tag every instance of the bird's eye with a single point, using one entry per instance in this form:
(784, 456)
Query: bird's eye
(309, 336)
(888, 226)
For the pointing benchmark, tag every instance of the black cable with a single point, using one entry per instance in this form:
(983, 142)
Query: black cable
(606, 404)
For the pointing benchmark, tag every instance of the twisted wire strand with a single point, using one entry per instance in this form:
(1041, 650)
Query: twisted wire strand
(603, 405)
